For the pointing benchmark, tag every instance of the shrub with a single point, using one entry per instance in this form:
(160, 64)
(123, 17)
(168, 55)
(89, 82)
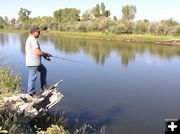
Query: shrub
(8, 81)
(178, 31)
(95, 27)
(120, 29)
(141, 27)
(152, 29)
(82, 27)
(54, 129)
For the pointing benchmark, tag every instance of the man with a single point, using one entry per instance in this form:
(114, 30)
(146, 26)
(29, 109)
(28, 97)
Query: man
(33, 61)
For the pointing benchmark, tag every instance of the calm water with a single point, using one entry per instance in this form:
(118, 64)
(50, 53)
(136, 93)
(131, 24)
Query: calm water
(129, 88)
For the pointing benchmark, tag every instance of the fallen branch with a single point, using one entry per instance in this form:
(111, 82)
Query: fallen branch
(32, 107)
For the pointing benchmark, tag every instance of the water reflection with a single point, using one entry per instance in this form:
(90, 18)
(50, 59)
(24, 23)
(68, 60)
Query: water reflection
(98, 50)
(22, 39)
(4, 39)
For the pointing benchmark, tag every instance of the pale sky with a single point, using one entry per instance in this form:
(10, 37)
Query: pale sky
(153, 10)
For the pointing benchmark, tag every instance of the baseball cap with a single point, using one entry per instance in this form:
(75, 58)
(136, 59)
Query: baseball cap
(34, 29)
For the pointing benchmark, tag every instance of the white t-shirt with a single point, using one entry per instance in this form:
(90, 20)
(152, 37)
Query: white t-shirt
(31, 58)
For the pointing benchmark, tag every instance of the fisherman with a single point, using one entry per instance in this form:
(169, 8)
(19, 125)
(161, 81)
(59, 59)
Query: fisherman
(33, 61)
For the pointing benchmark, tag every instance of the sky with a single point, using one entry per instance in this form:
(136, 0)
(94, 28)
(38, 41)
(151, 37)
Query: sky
(153, 10)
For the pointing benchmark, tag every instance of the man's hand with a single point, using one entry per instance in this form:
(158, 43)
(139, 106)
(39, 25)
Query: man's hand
(47, 56)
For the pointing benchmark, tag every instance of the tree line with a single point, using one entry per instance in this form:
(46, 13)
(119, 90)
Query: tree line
(96, 19)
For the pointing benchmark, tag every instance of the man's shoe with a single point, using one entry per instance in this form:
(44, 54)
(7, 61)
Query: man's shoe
(46, 87)
(37, 96)
(32, 94)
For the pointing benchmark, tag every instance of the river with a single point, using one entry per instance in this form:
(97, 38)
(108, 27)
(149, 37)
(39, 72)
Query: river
(126, 87)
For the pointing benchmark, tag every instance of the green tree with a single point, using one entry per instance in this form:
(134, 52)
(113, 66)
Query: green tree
(24, 14)
(128, 12)
(58, 15)
(108, 13)
(6, 20)
(13, 21)
(86, 16)
(114, 18)
(169, 22)
(67, 15)
(96, 11)
(1, 22)
(103, 9)
(178, 31)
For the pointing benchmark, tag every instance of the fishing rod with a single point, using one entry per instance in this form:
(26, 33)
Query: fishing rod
(62, 58)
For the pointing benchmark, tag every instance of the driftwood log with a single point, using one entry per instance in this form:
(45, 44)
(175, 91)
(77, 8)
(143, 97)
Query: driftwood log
(32, 107)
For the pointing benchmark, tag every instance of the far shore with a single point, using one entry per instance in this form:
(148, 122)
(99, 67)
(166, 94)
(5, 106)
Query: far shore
(155, 39)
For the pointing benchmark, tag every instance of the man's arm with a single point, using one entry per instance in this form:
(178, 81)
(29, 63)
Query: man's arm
(38, 52)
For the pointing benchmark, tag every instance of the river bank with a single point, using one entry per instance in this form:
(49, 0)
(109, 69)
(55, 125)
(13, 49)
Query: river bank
(154, 39)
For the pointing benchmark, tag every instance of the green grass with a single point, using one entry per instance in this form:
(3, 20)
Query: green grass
(13, 31)
(122, 37)
(146, 38)
(8, 81)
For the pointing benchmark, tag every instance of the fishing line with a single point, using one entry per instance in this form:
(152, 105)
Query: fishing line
(62, 58)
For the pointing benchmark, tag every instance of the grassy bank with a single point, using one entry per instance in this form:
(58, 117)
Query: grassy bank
(167, 40)
(9, 83)
(122, 37)
(157, 39)
(13, 31)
